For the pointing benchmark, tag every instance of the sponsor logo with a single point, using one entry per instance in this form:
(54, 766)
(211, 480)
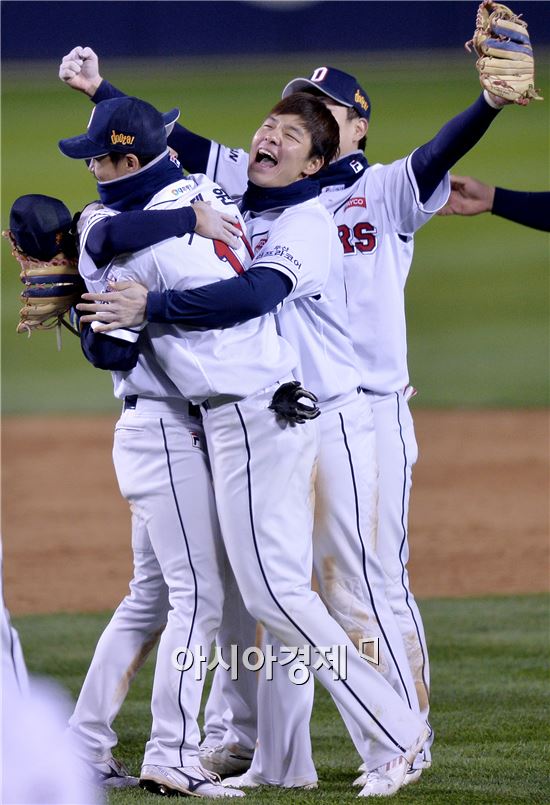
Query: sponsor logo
(118, 138)
(358, 201)
(195, 439)
(360, 99)
(284, 253)
(261, 243)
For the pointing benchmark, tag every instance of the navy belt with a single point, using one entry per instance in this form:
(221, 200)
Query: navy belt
(131, 401)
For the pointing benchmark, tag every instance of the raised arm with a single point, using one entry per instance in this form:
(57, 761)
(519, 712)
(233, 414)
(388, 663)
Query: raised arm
(79, 69)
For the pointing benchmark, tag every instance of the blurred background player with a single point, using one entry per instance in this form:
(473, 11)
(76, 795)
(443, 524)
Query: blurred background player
(470, 196)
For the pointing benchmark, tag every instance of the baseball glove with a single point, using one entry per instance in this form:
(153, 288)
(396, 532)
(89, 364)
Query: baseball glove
(43, 246)
(287, 406)
(505, 58)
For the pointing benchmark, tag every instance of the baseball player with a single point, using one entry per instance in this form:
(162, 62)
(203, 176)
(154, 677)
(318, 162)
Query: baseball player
(470, 197)
(351, 580)
(261, 467)
(377, 209)
(161, 466)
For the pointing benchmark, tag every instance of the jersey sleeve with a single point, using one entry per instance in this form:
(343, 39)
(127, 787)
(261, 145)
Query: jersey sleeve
(299, 246)
(397, 190)
(228, 167)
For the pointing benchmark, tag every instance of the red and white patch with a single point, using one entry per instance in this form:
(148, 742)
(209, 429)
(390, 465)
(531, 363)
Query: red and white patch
(357, 201)
(259, 245)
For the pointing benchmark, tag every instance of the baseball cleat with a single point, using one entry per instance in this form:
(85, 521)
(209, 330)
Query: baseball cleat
(193, 781)
(251, 780)
(113, 773)
(224, 760)
(412, 776)
(388, 778)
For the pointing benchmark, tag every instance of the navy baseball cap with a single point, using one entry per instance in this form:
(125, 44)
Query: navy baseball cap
(40, 225)
(341, 87)
(127, 125)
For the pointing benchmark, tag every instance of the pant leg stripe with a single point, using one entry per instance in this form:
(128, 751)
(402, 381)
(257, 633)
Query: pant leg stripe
(274, 598)
(364, 556)
(404, 529)
(180, 518)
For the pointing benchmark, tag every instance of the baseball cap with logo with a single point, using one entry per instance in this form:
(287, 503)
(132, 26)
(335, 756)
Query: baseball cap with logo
(127, 125)
(339, 86)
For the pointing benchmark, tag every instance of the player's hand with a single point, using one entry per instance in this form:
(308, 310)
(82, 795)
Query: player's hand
(122, 306)
(80, 70)
(216, 225)
(468, 197)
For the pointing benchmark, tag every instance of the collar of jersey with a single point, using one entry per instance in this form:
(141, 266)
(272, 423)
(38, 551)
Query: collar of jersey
(134, 191)
(260, 199)
(345, 171)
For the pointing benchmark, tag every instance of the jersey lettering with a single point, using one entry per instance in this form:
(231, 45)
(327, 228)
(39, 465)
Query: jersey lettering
(222, 196)
(363, 240)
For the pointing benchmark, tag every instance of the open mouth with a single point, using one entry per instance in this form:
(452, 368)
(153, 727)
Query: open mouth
(263, 157)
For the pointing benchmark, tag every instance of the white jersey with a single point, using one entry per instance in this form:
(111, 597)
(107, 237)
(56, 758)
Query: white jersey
(302, 243)
(146, 379)
(376, 219)
(236, 361)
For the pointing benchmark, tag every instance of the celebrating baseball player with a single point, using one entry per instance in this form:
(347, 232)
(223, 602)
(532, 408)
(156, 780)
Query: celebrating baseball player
(221, 370)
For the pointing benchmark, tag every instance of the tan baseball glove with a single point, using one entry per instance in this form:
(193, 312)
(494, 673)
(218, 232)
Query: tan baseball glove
(505, 62)
(52, 288)
(44, 245)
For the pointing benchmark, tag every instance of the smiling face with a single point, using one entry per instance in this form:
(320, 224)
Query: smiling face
(280, 152)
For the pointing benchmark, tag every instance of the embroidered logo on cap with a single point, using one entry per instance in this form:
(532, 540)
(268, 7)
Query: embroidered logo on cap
(117, 138)
(361, 100)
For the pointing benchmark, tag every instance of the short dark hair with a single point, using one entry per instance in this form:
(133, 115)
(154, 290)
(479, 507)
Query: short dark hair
(143, 159)
(318, 121)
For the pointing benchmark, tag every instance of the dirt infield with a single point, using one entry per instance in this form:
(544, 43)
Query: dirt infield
(479, 513)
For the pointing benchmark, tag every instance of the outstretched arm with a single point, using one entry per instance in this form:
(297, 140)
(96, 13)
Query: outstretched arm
(432, 160)
(469, 196)
(220, 304)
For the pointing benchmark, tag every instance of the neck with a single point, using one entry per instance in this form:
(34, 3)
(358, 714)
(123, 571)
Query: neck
(259, 199)
(136, 189)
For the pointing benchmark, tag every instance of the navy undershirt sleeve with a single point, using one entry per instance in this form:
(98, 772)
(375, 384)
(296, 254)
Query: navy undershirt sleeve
(432, 160)
(135, 230)
(221, 304)
(529, 209)
(105, 352)
(192, 149)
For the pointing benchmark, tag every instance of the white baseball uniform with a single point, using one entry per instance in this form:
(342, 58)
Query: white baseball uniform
(163, 470)
(313, 318)
(377, 217)
(262, 469)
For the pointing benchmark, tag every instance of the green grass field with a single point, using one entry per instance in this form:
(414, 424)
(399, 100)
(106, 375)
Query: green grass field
(478, 295)
(490, 705)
